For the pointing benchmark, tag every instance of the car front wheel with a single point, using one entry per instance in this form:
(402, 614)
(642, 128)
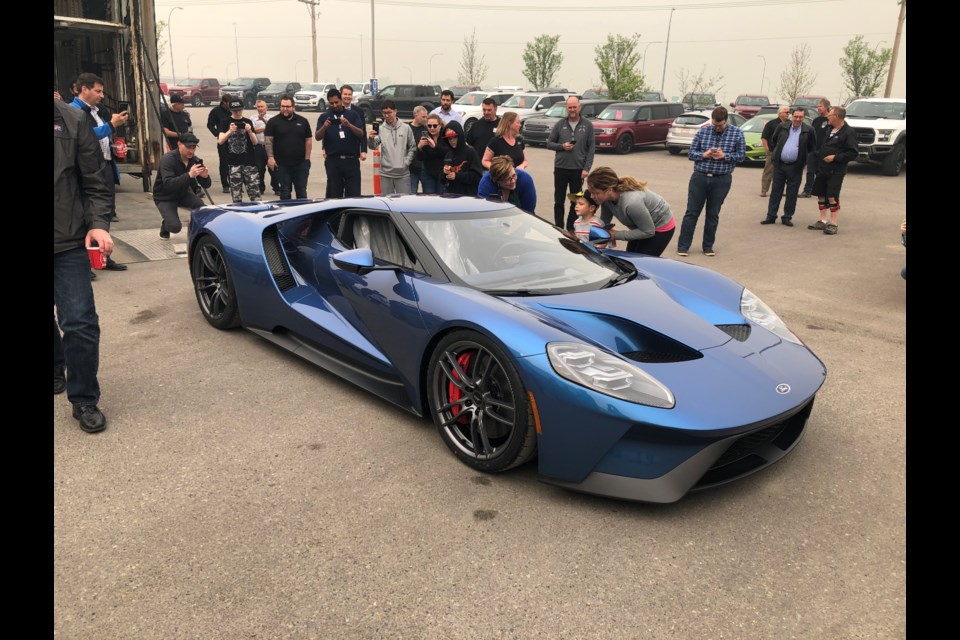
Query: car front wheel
(625, 143)
(213, 285)
(893, 163)
(479, 403)
(674, 151)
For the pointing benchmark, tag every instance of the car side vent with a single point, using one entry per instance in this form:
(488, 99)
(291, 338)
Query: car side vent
(275, 260)
(739, 332)
(662, 356)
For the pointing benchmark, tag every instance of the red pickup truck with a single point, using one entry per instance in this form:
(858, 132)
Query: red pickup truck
(197, 91)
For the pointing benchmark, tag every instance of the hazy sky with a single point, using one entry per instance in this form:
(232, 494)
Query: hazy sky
(747, 42)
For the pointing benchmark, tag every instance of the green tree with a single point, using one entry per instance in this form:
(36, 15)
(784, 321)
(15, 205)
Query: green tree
(542, 61)
(473, 69)
(161, 39)
(699, 83)
(863, 69)
(617, 61)
(797, 79)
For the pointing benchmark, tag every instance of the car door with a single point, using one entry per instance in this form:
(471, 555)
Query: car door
(643, 127)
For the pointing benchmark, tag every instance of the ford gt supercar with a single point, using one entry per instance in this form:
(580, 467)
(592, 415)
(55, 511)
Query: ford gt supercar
(625, 375)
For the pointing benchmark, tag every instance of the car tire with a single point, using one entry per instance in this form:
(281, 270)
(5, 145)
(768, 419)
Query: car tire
(213, 284)
(487, 422)
(674, 151)
(197, 101)
(469, 125)
(249, 102)
(367, 113)
(625, 144)
(322, 105)
(893, 163)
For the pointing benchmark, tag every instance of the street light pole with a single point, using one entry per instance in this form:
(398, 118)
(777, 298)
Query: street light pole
(236, 48)
(763, 74)
(430, 68)
(663, 79)
(296, 65)
(188, 64)
(170, 38)
(644, 65)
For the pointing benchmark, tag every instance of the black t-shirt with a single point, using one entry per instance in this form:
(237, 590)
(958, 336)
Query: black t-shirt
(499, 147)
(239, 148)
(289, 138)
(769, 132)
(175, 121)
(481, 133)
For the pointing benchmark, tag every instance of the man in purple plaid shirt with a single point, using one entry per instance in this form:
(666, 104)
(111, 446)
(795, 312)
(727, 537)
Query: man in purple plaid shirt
(716, 150)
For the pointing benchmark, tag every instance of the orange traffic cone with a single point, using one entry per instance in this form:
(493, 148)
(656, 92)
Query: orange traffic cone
(376, 172)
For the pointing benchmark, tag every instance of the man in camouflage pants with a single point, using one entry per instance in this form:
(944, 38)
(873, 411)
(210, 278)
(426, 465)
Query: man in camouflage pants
(237, 134)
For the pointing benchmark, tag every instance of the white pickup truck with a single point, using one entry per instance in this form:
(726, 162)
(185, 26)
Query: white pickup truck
(881, 128)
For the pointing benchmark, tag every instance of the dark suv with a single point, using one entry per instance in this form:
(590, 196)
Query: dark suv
(699, 101)
(246, 89)
(406, 97)
(272, 94)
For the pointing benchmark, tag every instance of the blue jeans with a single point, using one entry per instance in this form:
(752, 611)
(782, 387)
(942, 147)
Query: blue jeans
(415, 181)
(431, 184)
(293, 178)
(703, 190)
(79, 348)
(789, 175)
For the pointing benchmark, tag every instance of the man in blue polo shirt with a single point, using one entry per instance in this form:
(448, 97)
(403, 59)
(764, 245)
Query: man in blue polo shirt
(715, 151)
(341, 132)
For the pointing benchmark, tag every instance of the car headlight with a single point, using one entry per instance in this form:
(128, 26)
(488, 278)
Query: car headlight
(606, 131)
(755, 310)
(883, 135)
(608, 374)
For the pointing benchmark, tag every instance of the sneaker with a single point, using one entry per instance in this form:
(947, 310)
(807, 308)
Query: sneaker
(226, 189)
(709, 252)
(786, 222)
(91, 418)
(805, 194)
(763, 194)
(59, 379)
(93, 274)
(683, 253)
(819, 225)
(830, 229)
(768, 221)
(164, 233)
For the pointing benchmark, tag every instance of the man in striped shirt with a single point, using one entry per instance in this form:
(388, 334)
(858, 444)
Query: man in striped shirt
(715, 151)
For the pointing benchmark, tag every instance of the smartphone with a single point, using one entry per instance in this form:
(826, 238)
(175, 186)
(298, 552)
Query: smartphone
(376, 127)
(424, 134)
(124, 106)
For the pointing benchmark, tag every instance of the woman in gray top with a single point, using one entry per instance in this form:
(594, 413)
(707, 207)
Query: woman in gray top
(646, 215)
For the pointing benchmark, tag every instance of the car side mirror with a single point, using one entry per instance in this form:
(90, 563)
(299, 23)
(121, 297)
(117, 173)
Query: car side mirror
(538, 107)
(360, 262)
(732, 105)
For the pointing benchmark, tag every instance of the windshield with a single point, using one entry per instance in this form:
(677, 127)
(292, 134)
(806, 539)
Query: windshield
(241, 82)
(190, 83)
(699, 98)
(869, 109)
(473, 98)
(690, 121)
(753, 102)
(521, 101)
(807, 102)
(276, 86)
(558, 110)
(512, 252)
(649, 96)
(312, 87)
(618, 112)
(755, 124)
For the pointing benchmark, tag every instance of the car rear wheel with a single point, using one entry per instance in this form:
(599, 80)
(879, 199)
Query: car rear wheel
(893, 163)
(213, 284)
(674, 151)
(249, 102)
(469, 125)
(625, 143)
(321, 105)
(197, 101)
(479, 403)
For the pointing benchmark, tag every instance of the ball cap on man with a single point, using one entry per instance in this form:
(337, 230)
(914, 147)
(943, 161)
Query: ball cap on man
(189, 138)
(176, 98)
(235, 105)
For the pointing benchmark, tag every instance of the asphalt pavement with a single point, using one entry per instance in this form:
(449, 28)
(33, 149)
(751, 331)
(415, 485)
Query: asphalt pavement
(240, 492)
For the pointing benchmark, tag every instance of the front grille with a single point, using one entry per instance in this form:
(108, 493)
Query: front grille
(534, 127)
(275, 260)
(865, 135)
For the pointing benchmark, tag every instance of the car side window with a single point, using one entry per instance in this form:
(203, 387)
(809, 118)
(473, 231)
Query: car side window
(675, 110)
(377, 233)
(643, 114)
(388, 92)
(660, 112)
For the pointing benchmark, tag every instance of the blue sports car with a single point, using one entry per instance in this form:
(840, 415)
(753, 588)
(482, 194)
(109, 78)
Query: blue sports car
(625, 375)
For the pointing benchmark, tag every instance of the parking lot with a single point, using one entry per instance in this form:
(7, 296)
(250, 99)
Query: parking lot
(238, 491)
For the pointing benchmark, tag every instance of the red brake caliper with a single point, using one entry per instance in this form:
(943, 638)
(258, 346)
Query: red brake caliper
(453, 391)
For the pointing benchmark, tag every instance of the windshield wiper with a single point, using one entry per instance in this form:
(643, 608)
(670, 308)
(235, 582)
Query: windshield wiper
(517, 292)
(626, 276)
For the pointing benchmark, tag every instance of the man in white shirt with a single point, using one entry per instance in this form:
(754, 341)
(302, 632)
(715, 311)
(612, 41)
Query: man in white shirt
(259, 125)
(445, 110)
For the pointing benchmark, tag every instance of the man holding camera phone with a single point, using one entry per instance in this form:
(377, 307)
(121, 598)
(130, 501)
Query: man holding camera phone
(397, 150)
(340, 132)
(179, 177)
(104, 125)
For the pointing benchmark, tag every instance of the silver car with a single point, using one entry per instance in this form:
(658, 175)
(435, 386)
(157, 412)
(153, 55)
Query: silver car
(685, 127)
(313, 96)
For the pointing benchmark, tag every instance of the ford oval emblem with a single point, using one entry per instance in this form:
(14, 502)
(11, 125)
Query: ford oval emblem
(783, 388)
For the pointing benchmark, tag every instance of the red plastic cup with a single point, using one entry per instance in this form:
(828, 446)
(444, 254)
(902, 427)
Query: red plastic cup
(98, 259)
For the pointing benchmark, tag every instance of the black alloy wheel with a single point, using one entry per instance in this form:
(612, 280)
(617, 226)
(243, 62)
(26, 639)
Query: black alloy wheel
(213, 285)
(625, 144)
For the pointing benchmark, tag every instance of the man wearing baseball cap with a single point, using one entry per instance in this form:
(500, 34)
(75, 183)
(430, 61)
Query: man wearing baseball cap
(239, 139)
(180, 176)
(175, 120)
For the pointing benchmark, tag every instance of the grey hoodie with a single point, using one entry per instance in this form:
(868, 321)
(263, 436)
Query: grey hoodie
(397, 149)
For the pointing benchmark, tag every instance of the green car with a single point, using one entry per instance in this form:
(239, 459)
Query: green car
(752, 129)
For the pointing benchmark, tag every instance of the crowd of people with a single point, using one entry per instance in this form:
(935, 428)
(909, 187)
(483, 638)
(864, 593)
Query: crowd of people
(430, 154)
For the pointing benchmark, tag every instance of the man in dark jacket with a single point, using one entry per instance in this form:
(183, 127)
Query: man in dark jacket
(217, 115)
(838, 150)
(179, 177)
(820, 126)
(461, 164)
(794, 141)
(82, 210)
